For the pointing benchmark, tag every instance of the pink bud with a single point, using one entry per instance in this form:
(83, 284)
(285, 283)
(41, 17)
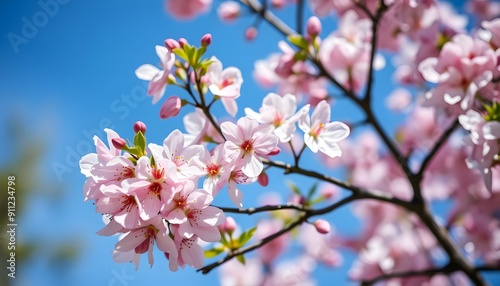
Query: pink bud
(263, 179)
(313, 26)
(182, 42)
(278, 3)
(119, 143)
(329, 191)
(322, 226)
(171, 107)
(206, 40)
(171, 44)
(250, 33)
(274, 152)
(228, 226)
(140, 126)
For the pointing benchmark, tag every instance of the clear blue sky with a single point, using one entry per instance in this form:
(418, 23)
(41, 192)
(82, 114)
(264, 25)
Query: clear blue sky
(68, 74)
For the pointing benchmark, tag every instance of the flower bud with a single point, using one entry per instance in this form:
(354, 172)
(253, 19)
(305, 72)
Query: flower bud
(228, 226)
(263, 179)
(278, 3)
(274, 152)
(329, 191)
(182, 42)
(140, 126)
(119, 143)
(206, 40)
(250, 33)
(313, 26)
(322, 226)
(171, 107)
(171, 44)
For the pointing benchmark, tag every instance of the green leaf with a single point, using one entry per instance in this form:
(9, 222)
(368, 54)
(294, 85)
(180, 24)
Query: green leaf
(241, 258)
(152, 161)
(135, 151)
(209, 253)
(298, 41)
(140, 143)
(300, 56)
(191, 54)
(312, 191)
(181, 53)
(294, 188)
(245, 237)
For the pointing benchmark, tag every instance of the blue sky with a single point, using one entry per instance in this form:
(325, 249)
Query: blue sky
(68, 72)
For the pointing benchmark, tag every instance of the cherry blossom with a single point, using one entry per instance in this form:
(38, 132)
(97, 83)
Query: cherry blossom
(279, 114)
(320, 134)
(157, 78)
(247, 144)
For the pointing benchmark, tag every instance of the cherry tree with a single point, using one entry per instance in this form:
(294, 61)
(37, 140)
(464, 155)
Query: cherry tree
(160, 197)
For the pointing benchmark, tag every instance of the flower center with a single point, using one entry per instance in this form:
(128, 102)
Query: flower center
(157, 173)
(246, 146)
(213, 170)
(316, 130)
(226, 82)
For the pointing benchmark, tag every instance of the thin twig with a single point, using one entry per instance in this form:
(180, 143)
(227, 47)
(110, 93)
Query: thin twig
(437, 146)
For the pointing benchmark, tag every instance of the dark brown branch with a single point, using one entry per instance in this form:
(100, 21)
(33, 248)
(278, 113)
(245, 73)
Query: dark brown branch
(437, 146)
(424, 272)
(362, 193)
(308, 213)
(267, 208)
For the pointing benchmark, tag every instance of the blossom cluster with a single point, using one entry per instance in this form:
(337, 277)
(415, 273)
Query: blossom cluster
(162, 194)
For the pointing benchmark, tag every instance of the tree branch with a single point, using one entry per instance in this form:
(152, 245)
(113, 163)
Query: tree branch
(308, 213)
(267, 208)
(424, 272)
(269, 17)
(362, 193)
(437, 146)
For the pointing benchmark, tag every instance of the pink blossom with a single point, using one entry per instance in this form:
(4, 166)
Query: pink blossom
(398, 100)
(181, 156)
(237, 177)
(190, 209)
(141, 240)
(186, 9)
(189, 251)
(278, 114)
(215, 169)
(228, 11)
(320, 134)
(464, 66)
(157, 78)
(226, 84)
(484, 138)
(246, 144)
(153, 186)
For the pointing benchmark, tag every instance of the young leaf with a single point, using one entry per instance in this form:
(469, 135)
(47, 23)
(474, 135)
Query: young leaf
(241, 258)
(140, 143)
(181, 53)
(245, 237)
(294, 188)
(209, 253)
(298, 41)
(312, 191)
